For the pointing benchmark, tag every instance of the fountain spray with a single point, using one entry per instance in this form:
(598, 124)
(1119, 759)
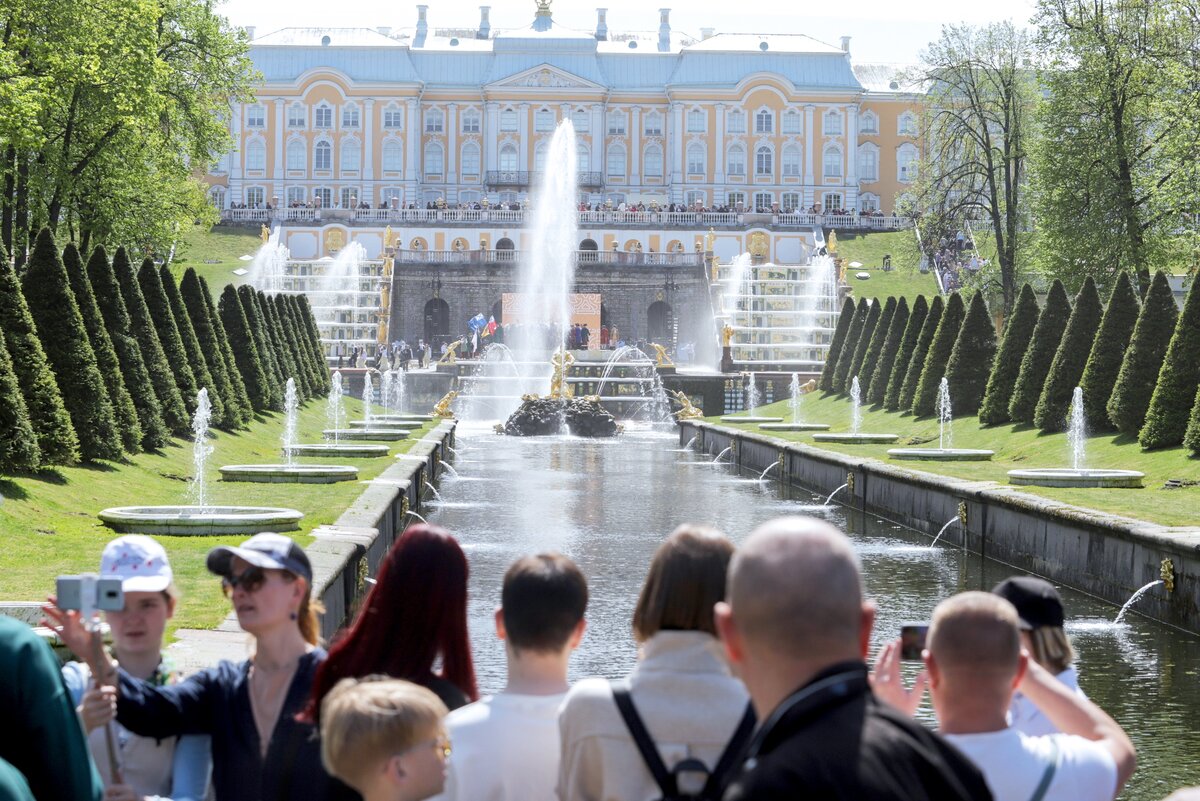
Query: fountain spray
(753, 401)
(368, 395)
(944, 415)
(855, 406)
(333, 406)
(1077, 430)
(201, 450)
(291, 403)
(795, 402)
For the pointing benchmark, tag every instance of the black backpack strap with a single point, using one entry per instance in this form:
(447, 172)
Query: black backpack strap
(732, 754)
(641, 738)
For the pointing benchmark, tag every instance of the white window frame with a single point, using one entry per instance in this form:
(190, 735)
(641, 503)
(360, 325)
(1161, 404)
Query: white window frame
(297, 116)
(323, 116)
(350, 155)
(734, 198)
(583, 158)
(695, 197)
(764, 121)
(832, 156)
(581, 120)
(393, 155)
(868, 162)
(763, 201)
(907, 156)
(435, 121)
(868, 201)
(736, 122)
(791, 161)
(326, 147)
(351, 117)
(433, 155)
(508, 158)
(347, 196)
(296, 155)
(472, 121)
(832, 123)
(509, 123)
(735, 160)
(295, 194)
(697, 159)
(796, 198)
(216, 196)
(540, 151)
(868, 123)
(256, 155)
(326, 195)
(652, 162)
(543, 120)
(697, 121)
(256, 115)
(617, 123)
(471, 159)
(652, 124)
(256, 196)
(764, 161)
(393, 117)
(615, 157)
(906, 124)
(793, 122)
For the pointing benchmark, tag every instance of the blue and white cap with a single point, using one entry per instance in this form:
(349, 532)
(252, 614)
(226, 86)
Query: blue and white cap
(268, 551)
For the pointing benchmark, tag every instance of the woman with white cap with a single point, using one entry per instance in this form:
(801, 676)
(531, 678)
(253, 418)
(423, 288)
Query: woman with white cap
(150, 768)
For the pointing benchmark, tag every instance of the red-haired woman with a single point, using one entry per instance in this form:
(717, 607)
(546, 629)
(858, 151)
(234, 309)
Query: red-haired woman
(415, 613)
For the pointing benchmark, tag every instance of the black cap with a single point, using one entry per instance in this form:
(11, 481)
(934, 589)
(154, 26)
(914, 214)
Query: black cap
(1038, 603)
(268, 551)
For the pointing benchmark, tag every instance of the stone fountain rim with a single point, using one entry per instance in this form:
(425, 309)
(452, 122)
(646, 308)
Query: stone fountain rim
(347, 449)
(1096, 478)
(735, 418)
(216, 514)
(794, 426)
(942, 454)
(293, 469)
(864, 438)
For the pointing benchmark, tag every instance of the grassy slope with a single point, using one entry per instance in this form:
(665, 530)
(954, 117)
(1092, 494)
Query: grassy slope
(224, 246)
(49, 525)
(1017, 448)
(868, 249)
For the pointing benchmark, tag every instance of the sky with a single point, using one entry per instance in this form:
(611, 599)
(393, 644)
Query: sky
(880, 30)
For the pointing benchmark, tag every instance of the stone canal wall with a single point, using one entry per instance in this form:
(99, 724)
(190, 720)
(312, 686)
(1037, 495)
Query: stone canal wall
(1101, 554)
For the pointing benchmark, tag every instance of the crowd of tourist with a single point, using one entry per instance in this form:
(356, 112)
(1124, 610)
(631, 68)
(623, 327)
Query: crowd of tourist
(751, 683)
(955, 258)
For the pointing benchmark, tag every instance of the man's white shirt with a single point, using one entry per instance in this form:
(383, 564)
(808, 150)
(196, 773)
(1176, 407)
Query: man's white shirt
(1013, 765)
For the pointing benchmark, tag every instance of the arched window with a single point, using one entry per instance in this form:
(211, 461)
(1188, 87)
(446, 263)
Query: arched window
(907, 124)
(393, 155)
(435, 121)
(764, 161)
(764, 121)
(696, 160)
(543, 120)
(868, 202)
(508, 158)
(351, 156)
(216, 196)
(832, 123)
(508, 120)
(393, 117)
(831, 163)
(471, 121)
(539, 156)
(470, 159)
(351, 117)
(581, 120)
(297, 115)
(652, 162)
(296, 155)
(323, 156)
(652, 124)
(868, 162)
(906, 163)
(583, 158)
(323, 116)
(696, 121)
(615, 161)
(434, 159)
(868, 123)
(791, 121)
(256, 116)
(737, 121)
(256, 155)
(735, 160)
(791, 161)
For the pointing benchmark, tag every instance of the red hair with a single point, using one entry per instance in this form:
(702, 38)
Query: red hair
(416, 611)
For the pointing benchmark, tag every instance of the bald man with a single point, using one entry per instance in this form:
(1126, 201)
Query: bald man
(796, 628)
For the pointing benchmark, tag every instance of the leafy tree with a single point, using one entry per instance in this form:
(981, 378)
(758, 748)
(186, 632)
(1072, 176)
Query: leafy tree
(174, 413)
(55, 435)
(908, 344)
(1143, 358)
(64, 338)
(1018, 332)
(236, 382)
(314, 334)
(133, 367)
(1035, 365)
(245, 349)
(191, 348)
(266, 357)
(971, 359)
(1175, 393)
(864, 342)
(168, 333)
(1066, 371)
(916, 363)
(867, 371)
(1108, 351)
(300, 356)
(18, 443)
(835, 344)
(196, 312)
(853, 335)
(938, 357)
(109, 365)
(887, 355)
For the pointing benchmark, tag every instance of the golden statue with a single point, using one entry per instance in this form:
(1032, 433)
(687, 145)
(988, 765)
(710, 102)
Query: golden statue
(709, 239)
(716, 265)
(448, 357)
(264, 234)
(758, 245)
(442, 407)
(335, 240)
(389, 237)
(686, 410)
(661, 359)
(831, 242)
(727, 335)
(562, 361)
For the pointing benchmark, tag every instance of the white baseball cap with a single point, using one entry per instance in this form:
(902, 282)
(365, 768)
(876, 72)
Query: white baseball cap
(140, 563)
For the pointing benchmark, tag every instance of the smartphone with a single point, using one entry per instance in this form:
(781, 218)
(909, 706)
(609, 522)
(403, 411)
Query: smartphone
(912, 641)
(105, 593)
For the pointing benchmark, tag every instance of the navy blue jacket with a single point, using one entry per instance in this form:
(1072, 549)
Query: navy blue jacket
(216, 702)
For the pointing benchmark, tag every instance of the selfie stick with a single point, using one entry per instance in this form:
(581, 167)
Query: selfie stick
(87, 611)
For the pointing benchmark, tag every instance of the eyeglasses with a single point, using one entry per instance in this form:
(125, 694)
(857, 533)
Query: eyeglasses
(250, 580)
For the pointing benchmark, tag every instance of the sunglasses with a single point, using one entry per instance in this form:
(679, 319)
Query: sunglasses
(250, 580)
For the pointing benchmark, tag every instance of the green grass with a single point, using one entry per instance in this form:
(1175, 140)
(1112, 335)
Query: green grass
(215, 253)
(49, 526)
(1015, 447)
(905, 280)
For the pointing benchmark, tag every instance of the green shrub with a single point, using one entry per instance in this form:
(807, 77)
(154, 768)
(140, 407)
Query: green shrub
(887, 355)
(245, 350)
(133, 367)
(971, 359)
(142, 327)
(314, 334)
(884, 327)
(938, 357)
(835, 345)
(1035, 365)
(1066, 371)
(1108, 351)
(898, 367)
(248, 297)
(846, 355)
(191, 347)
(1175, 393)
(51, 423)
(236, 383)
(1018, 331)
(283, 354)
(916, 363)
(196, 311)
(864, 343)
(64, 339)
(18, 443)
(1143, 358)
(167, 329)
(1192, 437)
(300, 355)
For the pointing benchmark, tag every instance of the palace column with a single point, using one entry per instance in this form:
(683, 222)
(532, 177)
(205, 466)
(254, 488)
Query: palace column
(368, 164)
(676, 152)
(411, 139)
(635, 147)
(810, 177)
(523, 137)
(451, 152)
(491, 135)
(235, 162)
(277, 174)
(719, 162)
(852, 157)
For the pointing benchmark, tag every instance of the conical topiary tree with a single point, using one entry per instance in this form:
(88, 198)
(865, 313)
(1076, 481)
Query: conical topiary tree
(864, 342)
(898, 367)
(835, 345)
(18, 443)
(916, 363)
(314, 334)
(284, 354)
(938, 357)
(1066, 370)
(972, 357)
(1108, 351)
(887, 355)
(275, 348)
(300, 357)
(1191, 438)
(867, 371)
(313, 365)
(236, 383)
(51, 423)
(165, 326)
(1035, 365)
(245, 350)
(64, 339)
(257, 328)
(191, 348)
(853, 334)
(1143, 358)
(1018, 332)
(174, 412)
(1175, 393)
(133, 367)
(128, 427)
(196, 311)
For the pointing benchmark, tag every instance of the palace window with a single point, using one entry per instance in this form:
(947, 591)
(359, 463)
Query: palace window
(508, 158)
(323, 156)
(296, 194)
(735, 160)
(791, 121)
(297, 155)
(471, 121)
(326, 196)
(652, 162)
(351, 156)
(393, 155)
(868, 202)
(508, 120)
(216, 197)
(696, 121)
(868, 162)
(349, 197)
(906, 163)
(256, 196)
(763, 202)
(297, 115)
(652, 124)
(616, 123)
(791, 161)
(737, 121)
(351, 117)
(790, 201)
(616, 161)
(764, 122)
(583, 158)
(831, 163)
(470, 159)
(764, 161)
(393, 118)
(735, 199)
(256, 156)
(868, 123)
(323, 116)
(434, 159)
(543, 120)
(832, 123)
(434, 121)
(907, 124)
(581, 120)
(696, 160)
(256, 116)
(539, 156)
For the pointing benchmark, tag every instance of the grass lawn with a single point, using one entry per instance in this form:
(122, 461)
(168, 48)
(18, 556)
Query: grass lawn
(49, 525)
(1015, 447)
(215, 253)
(905, 280)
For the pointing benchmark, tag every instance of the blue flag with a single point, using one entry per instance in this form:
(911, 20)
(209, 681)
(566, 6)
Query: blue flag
(477, 323)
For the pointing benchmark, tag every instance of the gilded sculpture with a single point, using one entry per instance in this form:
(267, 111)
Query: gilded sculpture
(661, 359)
(442, 407)
(686, 410)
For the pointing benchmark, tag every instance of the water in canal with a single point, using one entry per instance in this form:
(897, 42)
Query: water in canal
(608, 504)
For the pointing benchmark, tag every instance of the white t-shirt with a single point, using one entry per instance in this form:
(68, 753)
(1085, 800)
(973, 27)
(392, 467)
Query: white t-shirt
(1026, 718)
(504, 748)
(1013, 765)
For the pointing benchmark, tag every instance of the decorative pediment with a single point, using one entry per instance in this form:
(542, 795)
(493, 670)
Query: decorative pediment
(544, 76)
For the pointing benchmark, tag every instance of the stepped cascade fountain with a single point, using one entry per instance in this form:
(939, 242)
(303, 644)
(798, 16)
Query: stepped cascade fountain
(370, 428)
(798, 391)
(335, 416)
(854, 436)
(753, 401)
(944, 452)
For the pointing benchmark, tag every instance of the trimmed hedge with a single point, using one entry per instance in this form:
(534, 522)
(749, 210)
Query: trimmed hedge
(191, 346)
(887, 355)
(236, 383)
(174, 412)
(245, 350)
(899, 365)
(864, 343)
(64, 338)
(304, 377)
(1018, 332)
(1192, 437)
(853, 334)
(257, 328)
(1144, 358)
(835, 345)
(1175, 393)
(884, 327)
(916, 363)
(167, 329)
(196, 310)
(284, 354)
(938, 358)
(1035, 365)
(1066, 371)
(51, 423)
(19, 451)
(972, 358)
(133, 367)
(314, 334)
(1108, 351)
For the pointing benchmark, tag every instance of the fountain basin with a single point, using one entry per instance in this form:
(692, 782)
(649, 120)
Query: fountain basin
(749, 418)
(373, 434)
(389, 420)
(1070, 477)
(200, 520)
(942, 454)
(793, 427)
(289, 473)
(342, 450)
(847, 438)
